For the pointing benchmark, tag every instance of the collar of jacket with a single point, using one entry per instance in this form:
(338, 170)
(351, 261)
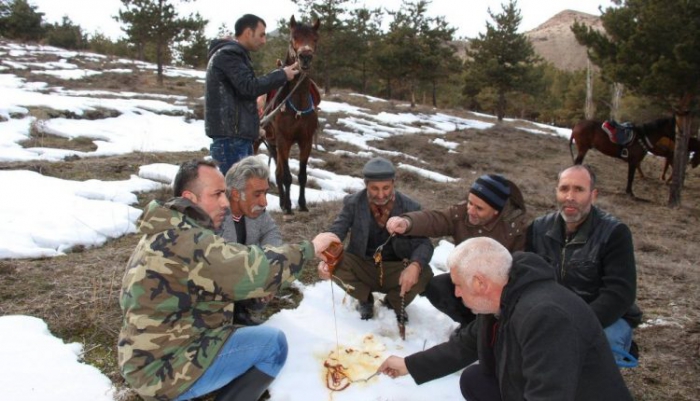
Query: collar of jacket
(192, 211)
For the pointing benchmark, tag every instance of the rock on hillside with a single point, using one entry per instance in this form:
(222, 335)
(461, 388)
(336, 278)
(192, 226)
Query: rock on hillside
(554, 41)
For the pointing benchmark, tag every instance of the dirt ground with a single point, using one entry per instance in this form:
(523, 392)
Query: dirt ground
(76, 294)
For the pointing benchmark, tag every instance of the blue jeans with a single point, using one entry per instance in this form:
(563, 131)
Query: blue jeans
(262, 347)
(619, 336)
(229, 151)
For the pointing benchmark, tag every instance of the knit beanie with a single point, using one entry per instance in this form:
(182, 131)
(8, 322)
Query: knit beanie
(379, 169)
(492, 189)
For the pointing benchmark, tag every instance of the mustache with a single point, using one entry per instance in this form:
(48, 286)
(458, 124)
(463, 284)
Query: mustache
(257, 208)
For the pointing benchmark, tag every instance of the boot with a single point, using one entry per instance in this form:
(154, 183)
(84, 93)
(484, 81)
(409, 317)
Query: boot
(366, 308)
(247, 387)
(241, 315)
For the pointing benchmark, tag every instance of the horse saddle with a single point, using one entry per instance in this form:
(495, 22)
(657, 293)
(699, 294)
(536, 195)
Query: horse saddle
(620, 134)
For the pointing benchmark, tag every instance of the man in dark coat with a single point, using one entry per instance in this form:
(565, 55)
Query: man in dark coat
(534, 339)
(494, 208)
(231, 115)
(593, 256)
(404, 271)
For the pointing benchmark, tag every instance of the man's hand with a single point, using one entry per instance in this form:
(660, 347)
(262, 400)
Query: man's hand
(324, 273)
(322, 241)
(397, 225)
(409, 277)
(394, 367)
(291, 71)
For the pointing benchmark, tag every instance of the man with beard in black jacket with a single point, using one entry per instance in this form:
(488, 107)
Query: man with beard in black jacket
(231, 117)
(533, 338)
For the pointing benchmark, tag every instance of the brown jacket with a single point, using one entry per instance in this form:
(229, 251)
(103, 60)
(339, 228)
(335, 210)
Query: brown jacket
(509, 228)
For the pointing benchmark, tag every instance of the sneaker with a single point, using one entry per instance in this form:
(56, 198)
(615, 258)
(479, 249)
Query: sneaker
(366, 308)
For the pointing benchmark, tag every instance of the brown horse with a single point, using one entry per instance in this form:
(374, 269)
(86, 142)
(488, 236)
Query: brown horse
(588, 134)
(297, 119)
(693, 146)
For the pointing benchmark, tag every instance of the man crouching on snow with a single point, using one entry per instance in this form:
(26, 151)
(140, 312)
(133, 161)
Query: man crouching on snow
(178, 340)
(534, 339)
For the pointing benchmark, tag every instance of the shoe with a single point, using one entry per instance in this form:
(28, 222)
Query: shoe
(366, 308)
(385, 302)
(241, 315)
(250, 386)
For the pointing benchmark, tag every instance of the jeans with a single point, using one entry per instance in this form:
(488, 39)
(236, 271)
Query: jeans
(262, 347)
(619, 336)
(229, 151)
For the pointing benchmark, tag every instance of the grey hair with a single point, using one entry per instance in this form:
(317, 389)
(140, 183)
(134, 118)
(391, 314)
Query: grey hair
(239, 174)
(481, 255)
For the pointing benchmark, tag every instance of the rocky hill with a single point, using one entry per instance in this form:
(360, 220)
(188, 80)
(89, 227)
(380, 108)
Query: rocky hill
(554, 41)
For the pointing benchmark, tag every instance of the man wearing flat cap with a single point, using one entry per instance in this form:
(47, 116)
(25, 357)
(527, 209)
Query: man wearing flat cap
(404, 271)
(494, 208)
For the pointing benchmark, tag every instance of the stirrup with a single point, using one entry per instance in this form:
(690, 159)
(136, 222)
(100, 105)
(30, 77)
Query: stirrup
(624, 153)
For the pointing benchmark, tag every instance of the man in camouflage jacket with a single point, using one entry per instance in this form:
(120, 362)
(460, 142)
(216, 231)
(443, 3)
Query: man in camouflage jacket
(178, 293)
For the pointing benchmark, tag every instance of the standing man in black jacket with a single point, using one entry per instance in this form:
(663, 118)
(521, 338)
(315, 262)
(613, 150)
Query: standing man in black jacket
(231, 117)
(593, 256)
(534, 339)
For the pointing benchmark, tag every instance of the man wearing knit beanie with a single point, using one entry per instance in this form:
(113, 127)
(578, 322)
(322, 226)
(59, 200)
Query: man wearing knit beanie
(494, 208)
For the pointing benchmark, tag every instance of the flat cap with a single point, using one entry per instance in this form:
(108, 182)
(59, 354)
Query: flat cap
(379, 169)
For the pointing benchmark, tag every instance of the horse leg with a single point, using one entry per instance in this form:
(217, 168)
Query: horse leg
(304, 153)
(284, 177)
(667, 163)
(632, 167)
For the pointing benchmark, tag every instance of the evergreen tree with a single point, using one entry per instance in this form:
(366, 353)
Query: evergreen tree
(652, 47)
(156, 22)
(194, 52)
(66, 35)
(501, 59)
(20, 20)
(363, 31)
(331, 54)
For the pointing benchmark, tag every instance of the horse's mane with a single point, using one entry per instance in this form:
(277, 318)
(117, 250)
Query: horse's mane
(658, 125)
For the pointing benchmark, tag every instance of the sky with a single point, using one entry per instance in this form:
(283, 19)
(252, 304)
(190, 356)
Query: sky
(89, 213)
(468, 16)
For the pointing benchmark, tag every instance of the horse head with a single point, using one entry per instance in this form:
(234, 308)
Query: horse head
(302, 43)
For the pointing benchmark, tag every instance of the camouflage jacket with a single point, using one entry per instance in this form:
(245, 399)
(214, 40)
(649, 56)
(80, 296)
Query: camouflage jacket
(178, 292)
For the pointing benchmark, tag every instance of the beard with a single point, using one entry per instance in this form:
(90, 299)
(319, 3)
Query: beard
(380, 202)
(580, 213)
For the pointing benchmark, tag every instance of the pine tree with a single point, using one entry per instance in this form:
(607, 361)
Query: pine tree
(20, 20)
(502, 59)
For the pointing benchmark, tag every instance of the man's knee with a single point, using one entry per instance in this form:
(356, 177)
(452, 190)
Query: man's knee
(476, 385)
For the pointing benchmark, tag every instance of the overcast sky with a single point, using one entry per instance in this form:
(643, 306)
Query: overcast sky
(468, 16)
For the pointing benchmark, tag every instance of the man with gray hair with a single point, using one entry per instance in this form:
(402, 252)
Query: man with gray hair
(533, 338)
(248, 222)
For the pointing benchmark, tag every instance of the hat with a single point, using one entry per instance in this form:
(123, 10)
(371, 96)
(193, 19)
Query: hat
(379, 169)
(492, 189)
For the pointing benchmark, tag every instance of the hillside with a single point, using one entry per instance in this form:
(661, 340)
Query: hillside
(554, 41)
(76, 293)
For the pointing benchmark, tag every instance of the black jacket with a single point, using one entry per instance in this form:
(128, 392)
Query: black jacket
(232, 90)
(548, 344)
(597, 263)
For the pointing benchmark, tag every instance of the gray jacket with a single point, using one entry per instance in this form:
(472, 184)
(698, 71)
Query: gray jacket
(260, 231)
(356, 218)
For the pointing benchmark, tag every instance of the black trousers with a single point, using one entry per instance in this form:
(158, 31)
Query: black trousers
(477, 385)
(441, 293)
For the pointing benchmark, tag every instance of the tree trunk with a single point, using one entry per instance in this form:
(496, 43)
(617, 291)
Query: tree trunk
(680, 156)
(617, 91)
(501, 105)
(413, 94)
(159, 61)
(590, 105)
(434, 93)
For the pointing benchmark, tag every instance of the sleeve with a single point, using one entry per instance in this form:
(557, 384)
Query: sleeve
(237, 271)
(242, 77)
(551, 353)
(444, 359)
(430, 223)
(619, 277)
(270, 233)
(529, 244)
(342, 223)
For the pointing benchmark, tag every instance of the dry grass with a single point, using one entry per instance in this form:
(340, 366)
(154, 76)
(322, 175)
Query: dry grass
(76, 294)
